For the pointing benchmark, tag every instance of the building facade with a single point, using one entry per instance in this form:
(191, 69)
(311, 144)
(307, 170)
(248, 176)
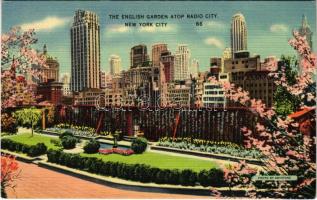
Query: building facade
(259, 85)
(181, 64)
(194, 68)
(157, 50)
(85, 51)
(213, 93)
(242, 62)
(90, 97)
(50, 72)
(51, 92)
(114, 93)
(139, 56)
(66, 85)
(238, 34)
(178, 94)
(115, 64)
(167, 59)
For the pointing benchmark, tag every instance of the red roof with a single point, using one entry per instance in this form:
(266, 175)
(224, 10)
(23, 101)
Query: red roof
(301, 112)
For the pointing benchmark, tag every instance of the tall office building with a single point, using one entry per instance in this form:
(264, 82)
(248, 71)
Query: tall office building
(181, 65)
(66, 83)
(167, 59)
(226, 54)
(194, 68)
(305, 30)
(138, 56)
(157, 50)
(115, 64)
(85, 51)
(102, 80)
(238, 33)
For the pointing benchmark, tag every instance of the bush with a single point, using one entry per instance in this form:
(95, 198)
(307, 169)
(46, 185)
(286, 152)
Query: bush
(30, 150)
(8, 124)
(213, 177)
(188, 177)
(66, 133)
(139, 145)
(92, 146)
(37, 149)
(69, 142)
(136, 172)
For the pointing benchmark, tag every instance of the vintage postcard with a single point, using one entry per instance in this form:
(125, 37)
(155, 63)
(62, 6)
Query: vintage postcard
(158, 99)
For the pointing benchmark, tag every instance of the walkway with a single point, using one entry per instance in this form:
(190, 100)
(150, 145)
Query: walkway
(37, 182)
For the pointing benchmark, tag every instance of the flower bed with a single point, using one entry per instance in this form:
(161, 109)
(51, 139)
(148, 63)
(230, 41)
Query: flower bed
(210, 147)
(117, 151)
(75, 130)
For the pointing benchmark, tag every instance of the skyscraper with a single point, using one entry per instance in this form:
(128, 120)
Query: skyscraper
(167, 59)
(66, 82)
(138, 56)
(85, 51)
(304, 30)
(115, 64)
(157, 50)
(238, 34)
(181, 65)
(194, 68)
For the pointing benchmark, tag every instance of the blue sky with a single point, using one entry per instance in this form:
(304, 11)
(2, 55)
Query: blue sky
(269, 26)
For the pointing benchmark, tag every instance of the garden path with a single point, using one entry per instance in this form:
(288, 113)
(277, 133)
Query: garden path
(37, 182)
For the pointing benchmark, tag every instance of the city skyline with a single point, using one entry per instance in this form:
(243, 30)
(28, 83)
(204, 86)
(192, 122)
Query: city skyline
(267, 36)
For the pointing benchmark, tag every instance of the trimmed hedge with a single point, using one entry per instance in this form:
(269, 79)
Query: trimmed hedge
(136, 172)
(139, 145)
(30, 150)
(92, 146)
(69, 142)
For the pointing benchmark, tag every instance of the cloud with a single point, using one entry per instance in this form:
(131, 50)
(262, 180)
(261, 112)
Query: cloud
(212, 41)
(277, 28)
(153, 29)
(117, 28)
(46, 24)
(215, 25)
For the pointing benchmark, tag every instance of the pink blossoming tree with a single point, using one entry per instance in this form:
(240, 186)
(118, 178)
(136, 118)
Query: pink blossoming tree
(17, 71)
(287, 151)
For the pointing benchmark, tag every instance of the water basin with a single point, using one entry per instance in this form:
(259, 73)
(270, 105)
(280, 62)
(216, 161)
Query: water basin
(109, 146)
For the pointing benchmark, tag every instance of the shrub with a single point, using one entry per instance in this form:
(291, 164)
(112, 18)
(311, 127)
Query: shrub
(139, 145)
(69, 142)
(66, 133)
(92, 146)
(188, 177)
(30, 150)
(217, 177)
(204, 178)
(37, 149)
(136, 172)
(8, 124)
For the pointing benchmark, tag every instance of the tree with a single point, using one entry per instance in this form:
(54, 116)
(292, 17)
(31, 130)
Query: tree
(9, 172)
(28, 117)
(286, 149)
(284, 102)
(17, 71)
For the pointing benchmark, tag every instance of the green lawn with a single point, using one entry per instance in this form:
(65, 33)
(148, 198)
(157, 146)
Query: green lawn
(26, 138)
(159, 160)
